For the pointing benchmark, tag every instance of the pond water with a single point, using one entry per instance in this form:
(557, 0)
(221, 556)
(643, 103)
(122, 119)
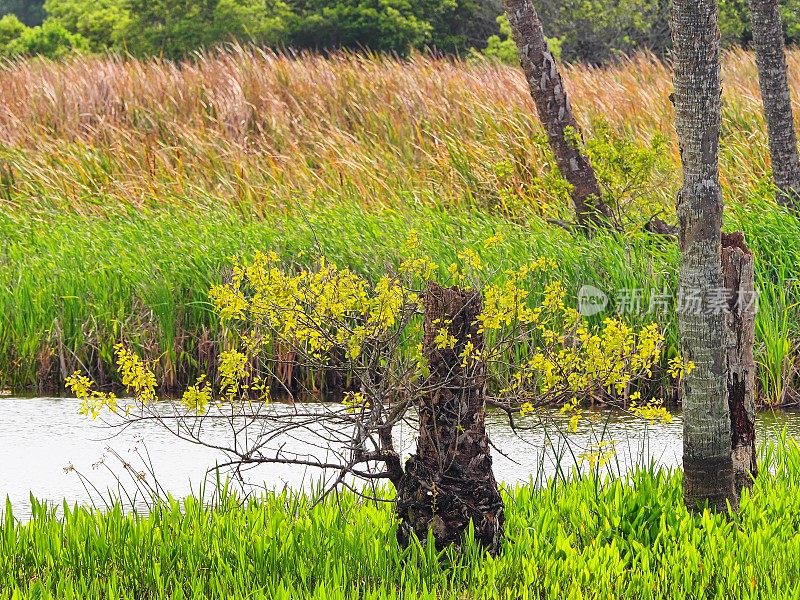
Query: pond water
(51, 452)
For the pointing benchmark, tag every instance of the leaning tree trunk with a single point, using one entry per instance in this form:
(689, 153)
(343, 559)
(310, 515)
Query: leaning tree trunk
(555, 112)
(449, 481)
(708, 469)
(737, 271)
(776, 97)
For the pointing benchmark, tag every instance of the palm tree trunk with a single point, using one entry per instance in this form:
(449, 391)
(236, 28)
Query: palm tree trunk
(555, 112)
(449, 481)
(708, 470)
(776, 97)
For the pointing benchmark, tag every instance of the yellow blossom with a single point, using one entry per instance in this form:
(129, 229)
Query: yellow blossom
(355, 401)
(653, 411)
(232, 371)
(137, 378)
(493, 241)
(197, 397)
(678, 368)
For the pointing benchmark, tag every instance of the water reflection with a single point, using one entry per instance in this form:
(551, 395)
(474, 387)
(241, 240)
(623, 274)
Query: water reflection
(43, 436)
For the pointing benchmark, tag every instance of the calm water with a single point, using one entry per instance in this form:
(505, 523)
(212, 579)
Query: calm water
(40, 438)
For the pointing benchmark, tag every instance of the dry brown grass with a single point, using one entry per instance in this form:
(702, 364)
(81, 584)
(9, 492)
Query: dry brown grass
(261, 130)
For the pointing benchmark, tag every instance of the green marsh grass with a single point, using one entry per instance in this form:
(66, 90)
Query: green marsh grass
(153, 292)
(126, 185)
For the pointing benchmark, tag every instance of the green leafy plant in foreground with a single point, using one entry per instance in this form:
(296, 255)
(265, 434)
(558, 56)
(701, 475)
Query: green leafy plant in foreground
(587, 538)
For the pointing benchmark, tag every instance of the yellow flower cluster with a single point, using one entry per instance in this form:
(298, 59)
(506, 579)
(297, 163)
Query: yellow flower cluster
(615, 355)
(568, 358)
(470, 259)
(140, 382)
(575, 412)
(652, 411)
(197, 397)
(599, 455)
(444, 340)
(591, 362)
(313, 310)
(355, 401)
(232, 372)
(470, 355)
(493, 241)
(92, 401)
(678, 367)
(415, 263)
(137, 378)
(506, 304)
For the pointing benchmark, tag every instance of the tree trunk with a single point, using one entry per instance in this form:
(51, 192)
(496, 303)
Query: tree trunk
(776, 97)
(555, 112)
(737, 270)
(449, 481)
(708, 468)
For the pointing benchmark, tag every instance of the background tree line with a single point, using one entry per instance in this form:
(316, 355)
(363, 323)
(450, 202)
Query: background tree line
(175, 28)
(594, 31)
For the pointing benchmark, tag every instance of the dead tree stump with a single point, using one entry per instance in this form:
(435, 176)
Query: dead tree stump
(737, 271)
(449, 481)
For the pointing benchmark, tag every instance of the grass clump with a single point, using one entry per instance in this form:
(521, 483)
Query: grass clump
(587, 538)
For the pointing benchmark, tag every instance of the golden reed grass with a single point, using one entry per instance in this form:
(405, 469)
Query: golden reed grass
(264, 129)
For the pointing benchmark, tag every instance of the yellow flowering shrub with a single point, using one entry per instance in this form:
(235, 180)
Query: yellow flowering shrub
(137, 378)
(571, 359)
(444, 339)
(232, 371)
(678, 367)
(573, 410)
(92, 402)
(355, 401)
(416, 264)
(538, 351)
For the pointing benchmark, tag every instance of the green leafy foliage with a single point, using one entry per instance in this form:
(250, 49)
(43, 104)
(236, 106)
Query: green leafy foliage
(10, 29)
(501, 47)
(627, 171)
(50, 39)
(595, 31)
(98, 21)
(587, 538)
(174, 28)
(177, 28)
(384, 25)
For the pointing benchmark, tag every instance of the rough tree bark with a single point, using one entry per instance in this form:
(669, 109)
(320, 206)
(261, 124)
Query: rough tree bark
(449, 481)
(737, 271)
(776, 97)
(555, 112)
(707, 463)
